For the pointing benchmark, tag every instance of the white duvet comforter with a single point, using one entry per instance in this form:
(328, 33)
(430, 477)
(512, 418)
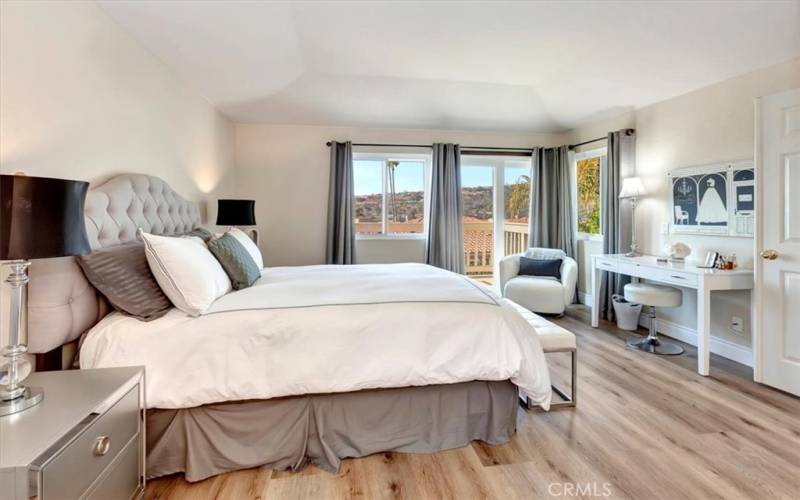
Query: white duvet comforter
(325, 329)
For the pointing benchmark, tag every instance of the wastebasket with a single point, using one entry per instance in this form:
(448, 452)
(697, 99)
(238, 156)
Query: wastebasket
(627, 313)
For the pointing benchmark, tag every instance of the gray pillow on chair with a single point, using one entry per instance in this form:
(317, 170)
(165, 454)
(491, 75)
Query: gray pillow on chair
(122, 274)
(235, 260)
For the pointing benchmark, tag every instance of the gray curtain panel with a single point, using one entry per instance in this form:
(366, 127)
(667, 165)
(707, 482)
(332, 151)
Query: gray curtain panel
(616, 213)
(341, 241)
(445, 245)
(551, 221)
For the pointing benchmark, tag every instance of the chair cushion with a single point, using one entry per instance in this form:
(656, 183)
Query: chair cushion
(537, 293)
(545, 253)
(551, 336)
(653, 295)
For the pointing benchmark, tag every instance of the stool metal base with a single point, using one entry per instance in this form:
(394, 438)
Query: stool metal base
(654, 346)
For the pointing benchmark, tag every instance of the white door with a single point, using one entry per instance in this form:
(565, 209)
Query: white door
(778, 241)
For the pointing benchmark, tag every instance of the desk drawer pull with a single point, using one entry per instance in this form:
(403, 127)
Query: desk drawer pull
(679, 277)
(101, 445)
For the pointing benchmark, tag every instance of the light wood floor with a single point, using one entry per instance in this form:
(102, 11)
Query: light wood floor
(646, 427)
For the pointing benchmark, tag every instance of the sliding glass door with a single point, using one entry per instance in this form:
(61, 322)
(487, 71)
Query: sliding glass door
(477, 192)
(496, 194)
(517, 201)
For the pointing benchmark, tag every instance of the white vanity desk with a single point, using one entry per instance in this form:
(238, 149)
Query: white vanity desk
(683, 275)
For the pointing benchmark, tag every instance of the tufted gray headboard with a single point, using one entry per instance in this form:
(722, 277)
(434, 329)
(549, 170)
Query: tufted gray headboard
(61, 303)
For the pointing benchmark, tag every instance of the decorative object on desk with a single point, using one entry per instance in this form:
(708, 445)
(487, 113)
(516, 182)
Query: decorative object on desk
(710, 261)
(713, 199)
(633, 189)
(40, 218)
(677, 251)
(238, 213)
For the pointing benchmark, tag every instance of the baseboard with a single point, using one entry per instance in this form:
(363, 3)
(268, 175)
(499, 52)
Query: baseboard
(585, 298)
(721, 347)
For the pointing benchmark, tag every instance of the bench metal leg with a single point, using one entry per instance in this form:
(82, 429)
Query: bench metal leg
(568, 401)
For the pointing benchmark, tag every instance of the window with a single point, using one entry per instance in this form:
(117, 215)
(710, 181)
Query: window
(589, 167)
(389, 194)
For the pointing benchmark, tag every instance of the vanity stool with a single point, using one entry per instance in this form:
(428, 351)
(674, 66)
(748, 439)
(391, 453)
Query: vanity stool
(653, 296)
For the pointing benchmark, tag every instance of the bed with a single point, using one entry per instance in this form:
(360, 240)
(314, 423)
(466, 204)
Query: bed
(310, 365)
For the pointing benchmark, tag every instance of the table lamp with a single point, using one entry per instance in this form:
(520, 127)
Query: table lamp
(40, 218)
(238, 213)
(632, 188)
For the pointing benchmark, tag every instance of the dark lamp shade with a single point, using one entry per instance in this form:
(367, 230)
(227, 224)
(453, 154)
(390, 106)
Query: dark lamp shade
(41, 217)
(236, 213)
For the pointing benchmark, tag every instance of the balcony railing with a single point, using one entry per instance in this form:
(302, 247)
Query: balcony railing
(478, 240)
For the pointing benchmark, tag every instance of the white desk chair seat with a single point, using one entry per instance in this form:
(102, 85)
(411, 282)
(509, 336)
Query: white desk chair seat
(653, 296)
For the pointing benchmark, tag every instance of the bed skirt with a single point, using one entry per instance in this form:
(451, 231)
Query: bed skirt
(323, 429)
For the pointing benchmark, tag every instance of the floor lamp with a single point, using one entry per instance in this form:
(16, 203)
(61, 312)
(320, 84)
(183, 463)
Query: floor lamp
(632, 189)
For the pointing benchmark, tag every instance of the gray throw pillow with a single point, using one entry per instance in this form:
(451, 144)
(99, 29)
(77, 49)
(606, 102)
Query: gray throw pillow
(122, 274)
(201, 232)
(235, 260)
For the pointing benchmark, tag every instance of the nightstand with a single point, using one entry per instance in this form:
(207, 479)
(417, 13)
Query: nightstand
(84, 440)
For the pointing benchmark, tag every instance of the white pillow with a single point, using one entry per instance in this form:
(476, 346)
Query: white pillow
(186, 271)
(248, 245)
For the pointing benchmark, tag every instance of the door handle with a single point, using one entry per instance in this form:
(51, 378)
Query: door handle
(769, 254)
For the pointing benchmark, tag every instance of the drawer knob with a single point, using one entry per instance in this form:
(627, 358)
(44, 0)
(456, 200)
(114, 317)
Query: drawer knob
(102, 445)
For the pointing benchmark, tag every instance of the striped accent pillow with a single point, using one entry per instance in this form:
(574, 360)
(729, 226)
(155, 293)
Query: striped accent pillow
(122, 274)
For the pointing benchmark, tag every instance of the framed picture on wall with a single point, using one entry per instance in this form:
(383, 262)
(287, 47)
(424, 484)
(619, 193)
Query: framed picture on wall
(743, 189)
(713, 199)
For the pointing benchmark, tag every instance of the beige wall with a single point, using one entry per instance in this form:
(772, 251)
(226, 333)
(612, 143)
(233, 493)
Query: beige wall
(712, 124)
(285, 169)
(81, 99)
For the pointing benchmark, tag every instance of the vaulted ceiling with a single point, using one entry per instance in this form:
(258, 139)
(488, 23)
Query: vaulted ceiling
(532, 66)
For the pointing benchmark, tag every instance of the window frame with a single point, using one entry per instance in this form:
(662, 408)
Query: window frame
(384, 158)
(602, 153)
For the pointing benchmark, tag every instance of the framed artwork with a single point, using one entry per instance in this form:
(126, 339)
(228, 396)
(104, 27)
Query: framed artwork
(713, 199)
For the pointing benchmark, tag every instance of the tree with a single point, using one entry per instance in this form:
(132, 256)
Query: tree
(589, 195)
(518, 199)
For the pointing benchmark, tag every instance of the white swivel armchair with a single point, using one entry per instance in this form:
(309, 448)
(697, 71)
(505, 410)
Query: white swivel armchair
(538, 293)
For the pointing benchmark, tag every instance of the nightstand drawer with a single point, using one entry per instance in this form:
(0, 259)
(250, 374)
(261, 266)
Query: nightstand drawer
(77, 461)
(123, 479)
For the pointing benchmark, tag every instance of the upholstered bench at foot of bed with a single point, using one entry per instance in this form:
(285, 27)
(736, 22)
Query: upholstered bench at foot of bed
(555, 339)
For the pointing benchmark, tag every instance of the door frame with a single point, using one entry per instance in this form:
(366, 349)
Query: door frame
(756, 297)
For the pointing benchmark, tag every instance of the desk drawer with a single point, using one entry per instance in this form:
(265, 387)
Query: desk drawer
(679, 278)
(73, 466)
(606, 265)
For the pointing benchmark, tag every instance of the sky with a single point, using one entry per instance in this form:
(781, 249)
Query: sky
(409, 176)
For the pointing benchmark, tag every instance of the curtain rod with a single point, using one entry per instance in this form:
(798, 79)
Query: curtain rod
(628, 131)
(429, 146)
